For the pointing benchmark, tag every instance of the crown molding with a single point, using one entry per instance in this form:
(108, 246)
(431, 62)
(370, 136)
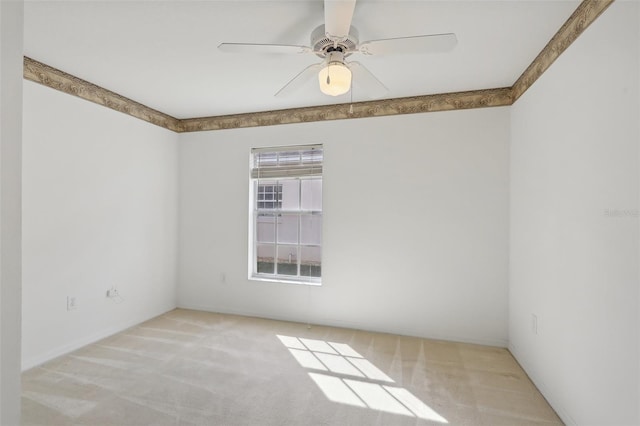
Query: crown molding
(587, 12)
(410, 105)
(56, 79)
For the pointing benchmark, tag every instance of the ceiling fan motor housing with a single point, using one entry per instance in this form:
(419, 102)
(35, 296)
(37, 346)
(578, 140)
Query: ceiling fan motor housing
(323, 45)
(334, 57)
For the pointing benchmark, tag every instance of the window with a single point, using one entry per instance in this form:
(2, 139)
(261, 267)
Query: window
(286, 220)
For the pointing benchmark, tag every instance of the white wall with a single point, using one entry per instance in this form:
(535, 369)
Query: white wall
(11, 23)
(415, 225)
(574, 225)
(100, 210)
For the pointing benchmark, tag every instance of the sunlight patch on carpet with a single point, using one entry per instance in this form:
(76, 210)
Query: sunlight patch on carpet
(336, 390)
(346, 377)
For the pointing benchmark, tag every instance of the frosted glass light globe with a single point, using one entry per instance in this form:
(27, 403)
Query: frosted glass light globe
(335, 79)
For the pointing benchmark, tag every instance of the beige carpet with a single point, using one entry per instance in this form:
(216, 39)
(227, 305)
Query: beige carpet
(196, 368)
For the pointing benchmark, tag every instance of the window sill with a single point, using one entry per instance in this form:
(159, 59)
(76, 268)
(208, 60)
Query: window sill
(284, 280)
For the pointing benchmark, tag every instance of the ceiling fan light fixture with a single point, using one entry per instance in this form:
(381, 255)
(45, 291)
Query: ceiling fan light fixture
(336, 39)
(335, 77)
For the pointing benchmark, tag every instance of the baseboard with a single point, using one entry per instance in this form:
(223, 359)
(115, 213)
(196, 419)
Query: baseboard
(345, 324)
(544, 389)
(87, 340)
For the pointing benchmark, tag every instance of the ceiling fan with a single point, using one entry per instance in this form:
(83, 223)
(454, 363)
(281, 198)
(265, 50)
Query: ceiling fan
(334, 42)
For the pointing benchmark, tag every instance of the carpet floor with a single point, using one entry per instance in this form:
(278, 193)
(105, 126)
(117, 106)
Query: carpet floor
(197, 368)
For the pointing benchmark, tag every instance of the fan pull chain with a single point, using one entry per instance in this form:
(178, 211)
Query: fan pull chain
(351, 94)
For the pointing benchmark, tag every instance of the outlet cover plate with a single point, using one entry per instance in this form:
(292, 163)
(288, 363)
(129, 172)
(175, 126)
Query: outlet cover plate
(71, 303)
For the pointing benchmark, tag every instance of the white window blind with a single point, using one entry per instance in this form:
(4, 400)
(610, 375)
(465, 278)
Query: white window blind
(273, 163)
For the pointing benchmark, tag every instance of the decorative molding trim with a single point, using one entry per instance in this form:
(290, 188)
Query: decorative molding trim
(582, 17)
(410, 105)
(67, 83)
(587, 12)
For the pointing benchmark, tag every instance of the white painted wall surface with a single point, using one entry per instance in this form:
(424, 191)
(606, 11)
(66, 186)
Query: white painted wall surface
(11, 23)
(100, 210)
(415, 225)
(574, 225)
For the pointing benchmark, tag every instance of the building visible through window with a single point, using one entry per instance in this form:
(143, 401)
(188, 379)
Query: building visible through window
(269, 196)
(286, 224)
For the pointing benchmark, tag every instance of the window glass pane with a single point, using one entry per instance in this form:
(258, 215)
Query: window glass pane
(311, 229)
(287, 260)
(290, 194)
(266, 228)
(266, 159)
(288, 228)
(289, 158)
(310, 262)
(311, 194)
(312, 156)
(268, 194)
(265, 258)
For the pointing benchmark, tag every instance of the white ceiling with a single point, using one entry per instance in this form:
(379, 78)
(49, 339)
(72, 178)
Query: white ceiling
(164, 53)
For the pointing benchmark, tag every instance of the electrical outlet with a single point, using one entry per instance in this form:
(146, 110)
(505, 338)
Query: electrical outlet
(71, 303)
(534, 323)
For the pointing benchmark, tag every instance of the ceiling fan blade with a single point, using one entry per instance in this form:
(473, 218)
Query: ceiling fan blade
(366, 81)
(262, 48)
(299, 80)
(337, 17)
(433, 43)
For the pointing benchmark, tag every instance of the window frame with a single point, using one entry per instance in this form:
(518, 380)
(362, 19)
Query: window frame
(259, 215)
